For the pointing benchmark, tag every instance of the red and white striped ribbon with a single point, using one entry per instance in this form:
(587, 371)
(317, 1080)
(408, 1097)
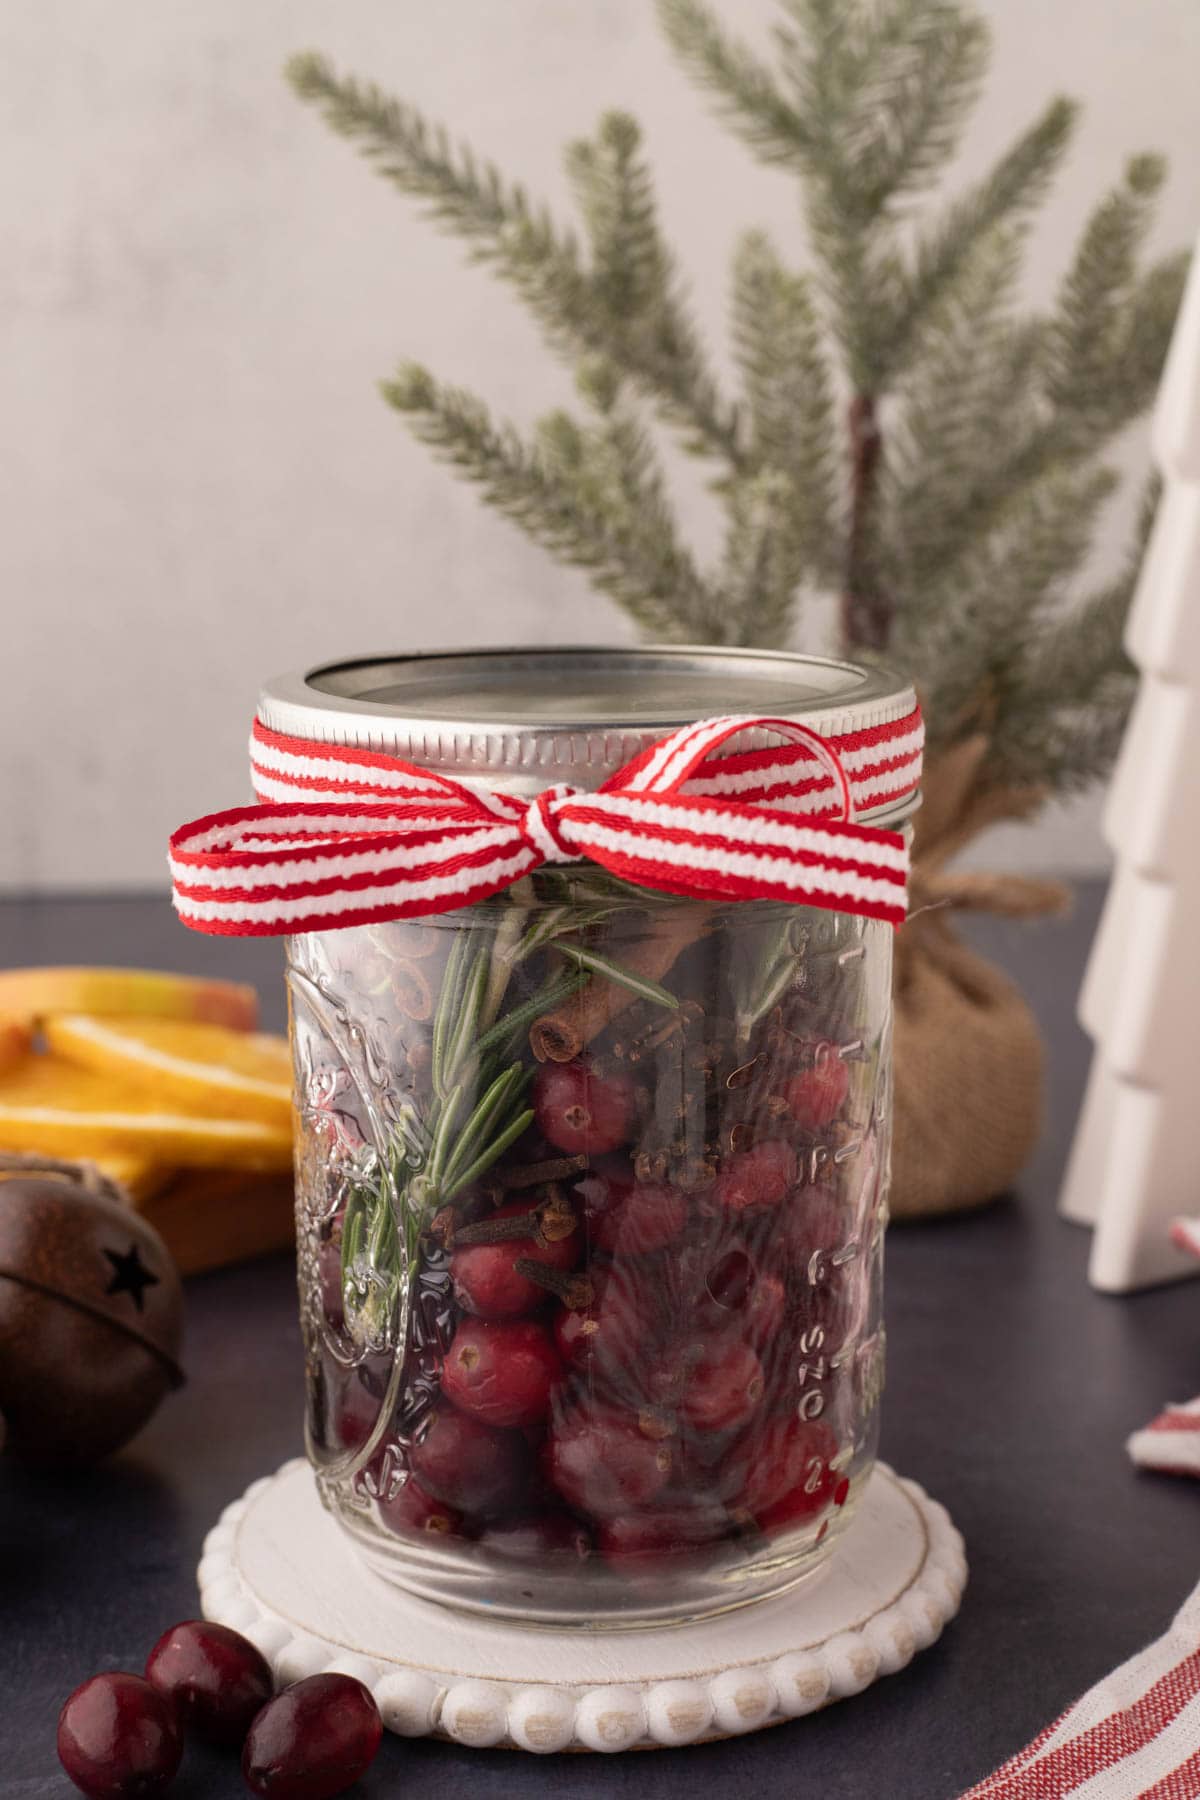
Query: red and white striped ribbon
(1134, 1736)
(344, 836)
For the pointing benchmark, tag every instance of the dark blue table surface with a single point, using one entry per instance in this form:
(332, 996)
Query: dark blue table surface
(1012, 1388)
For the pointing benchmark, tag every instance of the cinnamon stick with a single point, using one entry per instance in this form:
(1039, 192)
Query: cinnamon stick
(560, 1035)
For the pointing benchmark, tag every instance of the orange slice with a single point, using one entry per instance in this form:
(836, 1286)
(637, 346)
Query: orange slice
(15, 1041)
(29, 994)
(202, 1068)
(52, 1106)
(141, 1177)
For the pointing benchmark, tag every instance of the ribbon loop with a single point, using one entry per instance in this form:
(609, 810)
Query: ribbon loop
(347, 837)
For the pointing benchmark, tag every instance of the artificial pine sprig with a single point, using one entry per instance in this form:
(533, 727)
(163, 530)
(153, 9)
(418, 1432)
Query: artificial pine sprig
(904, 433)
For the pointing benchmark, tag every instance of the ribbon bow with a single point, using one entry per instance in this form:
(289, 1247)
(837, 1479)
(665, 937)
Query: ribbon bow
(375, 838)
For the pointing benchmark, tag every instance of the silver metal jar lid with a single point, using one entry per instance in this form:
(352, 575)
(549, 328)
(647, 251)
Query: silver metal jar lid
(520, 719)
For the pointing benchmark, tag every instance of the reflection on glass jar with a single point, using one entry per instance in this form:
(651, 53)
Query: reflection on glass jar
(591, 1202)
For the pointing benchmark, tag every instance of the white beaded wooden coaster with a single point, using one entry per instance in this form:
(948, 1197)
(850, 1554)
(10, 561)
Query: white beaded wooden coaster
(278, 1568)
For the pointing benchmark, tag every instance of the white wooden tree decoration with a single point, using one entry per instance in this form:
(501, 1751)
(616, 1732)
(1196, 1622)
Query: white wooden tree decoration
(1135, 1165)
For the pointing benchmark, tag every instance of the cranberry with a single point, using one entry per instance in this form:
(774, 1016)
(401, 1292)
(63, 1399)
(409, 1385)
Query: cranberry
(502, 1373)
(485, 1279)
(314, 1740)
(537, 1538)
(760, 1176)
(711, 1291)
(470, 1466)
(411, 1512)
(820, 1487)
(580, 1111)
(829, 1294)
(215, 1678)
(355, 1413)
(816, 1096)
(118, 1737)
(628, 1217)
(613, 1332)
(765, 1311)
(329, 1278)
(724, 1386)
(778, 1458)
(603, 1465)
(654, 1543)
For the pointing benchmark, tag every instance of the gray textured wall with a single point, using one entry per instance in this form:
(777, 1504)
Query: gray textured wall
(199, 288)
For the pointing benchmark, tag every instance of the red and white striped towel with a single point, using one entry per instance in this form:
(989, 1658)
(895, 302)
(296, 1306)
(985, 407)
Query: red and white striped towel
(1134, 1736)
(1171, 1442)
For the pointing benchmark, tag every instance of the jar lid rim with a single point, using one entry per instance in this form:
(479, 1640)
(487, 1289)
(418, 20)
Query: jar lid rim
(522, 717)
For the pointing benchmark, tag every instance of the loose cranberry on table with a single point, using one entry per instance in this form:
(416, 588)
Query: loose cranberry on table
(411, 1512)
(603, 1464)
(215, 1678)
(472, 1467)
(817, 1095)
(502, 1373)
(627, 1217)
(581, 1111)
(119, 1739)
(485, 1277)
(314, 1740)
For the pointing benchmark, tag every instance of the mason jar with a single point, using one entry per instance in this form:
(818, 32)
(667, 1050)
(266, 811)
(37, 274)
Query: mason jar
(592, 1176)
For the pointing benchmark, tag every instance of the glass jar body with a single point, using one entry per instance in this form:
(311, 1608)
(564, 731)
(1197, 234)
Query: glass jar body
(591, 1196)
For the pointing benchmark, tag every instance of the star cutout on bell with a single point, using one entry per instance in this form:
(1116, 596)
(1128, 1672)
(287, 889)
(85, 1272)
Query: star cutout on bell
(130, 1276)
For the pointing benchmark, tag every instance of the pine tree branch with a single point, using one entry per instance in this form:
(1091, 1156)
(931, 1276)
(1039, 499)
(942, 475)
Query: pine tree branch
(895, 86)
(523, 246)
(596, 501)
(1065, 703)
(637, 291)
(788, 402)
(1012, 189)
(763, 564)
(1075, 404)
(999, 598)
(970, 392)
(748, 98)
(1090, 328)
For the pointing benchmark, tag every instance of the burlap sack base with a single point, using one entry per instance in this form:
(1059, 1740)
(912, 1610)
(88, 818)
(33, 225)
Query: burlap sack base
(968, 1065)
(968, 1054)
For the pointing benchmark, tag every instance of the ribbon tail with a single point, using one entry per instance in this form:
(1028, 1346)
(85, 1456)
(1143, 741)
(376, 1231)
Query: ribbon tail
(258, 872)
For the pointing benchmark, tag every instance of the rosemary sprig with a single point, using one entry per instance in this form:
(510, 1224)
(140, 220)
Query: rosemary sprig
(612, 971)
(771, 978)
(508, 1031)
(476, 1111)
(495, 1149)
